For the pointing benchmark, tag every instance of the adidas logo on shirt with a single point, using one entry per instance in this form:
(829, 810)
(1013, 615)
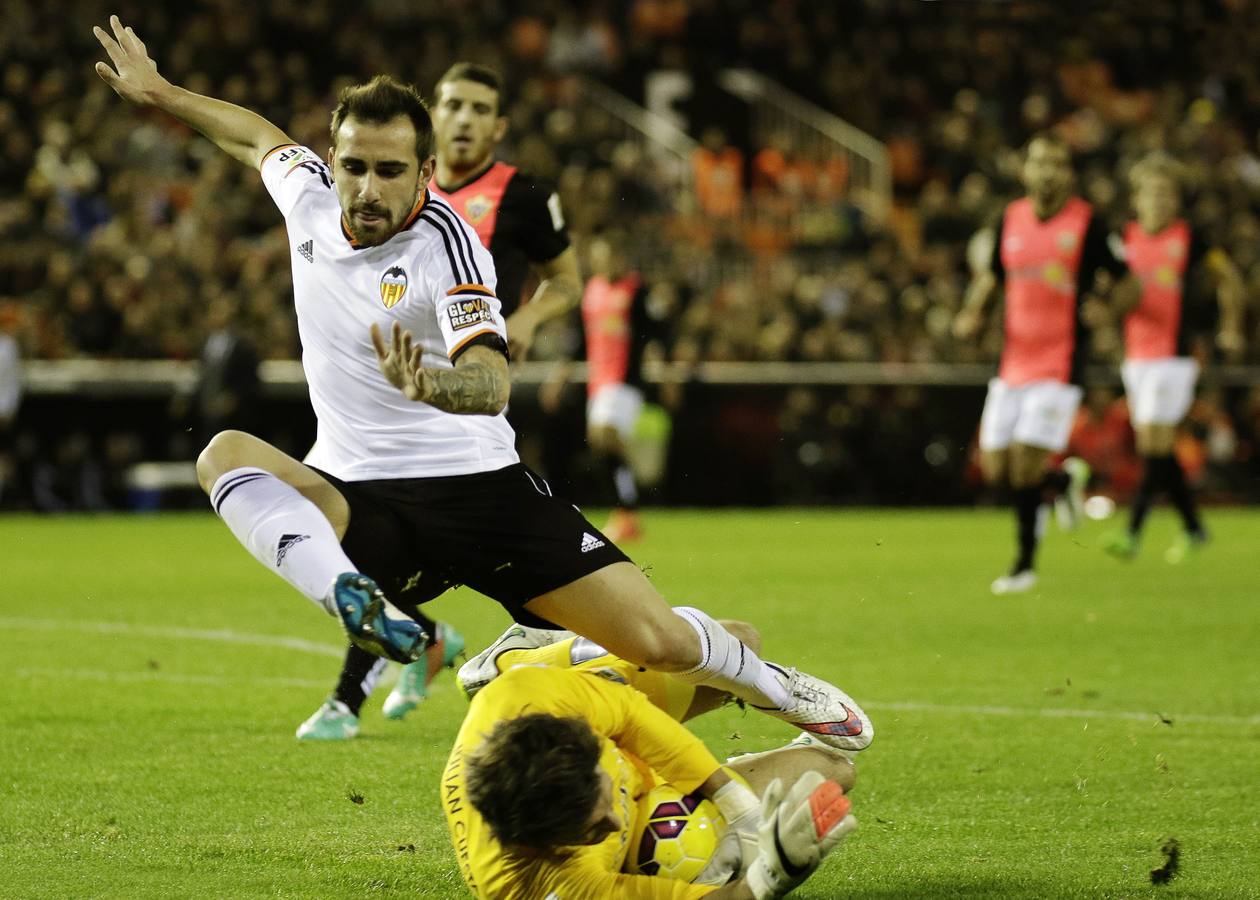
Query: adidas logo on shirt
(286, 544)
(307, 250)
(590, 542)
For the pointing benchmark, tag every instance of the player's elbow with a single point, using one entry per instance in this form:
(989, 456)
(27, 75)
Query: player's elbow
(499, 396)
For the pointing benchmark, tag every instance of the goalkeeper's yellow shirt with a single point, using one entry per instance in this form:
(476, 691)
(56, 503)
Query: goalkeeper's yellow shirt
(641, 746)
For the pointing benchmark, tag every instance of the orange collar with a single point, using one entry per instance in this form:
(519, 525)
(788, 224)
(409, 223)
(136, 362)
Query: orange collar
(411, 219)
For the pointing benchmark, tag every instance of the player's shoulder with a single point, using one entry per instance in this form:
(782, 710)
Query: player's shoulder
(438, 224)
(446, 246)
(546, 688)
(528, 189)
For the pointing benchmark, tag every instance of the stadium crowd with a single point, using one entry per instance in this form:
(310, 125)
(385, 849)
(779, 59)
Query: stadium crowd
(125, 236)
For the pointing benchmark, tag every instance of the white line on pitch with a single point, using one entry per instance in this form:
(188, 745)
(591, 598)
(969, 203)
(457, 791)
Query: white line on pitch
(1055, 713)
(174, 677)
(223, 635)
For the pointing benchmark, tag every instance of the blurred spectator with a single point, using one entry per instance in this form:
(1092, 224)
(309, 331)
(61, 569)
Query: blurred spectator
(114, 224)
(10, 394)
(719, 175)
(228, 386)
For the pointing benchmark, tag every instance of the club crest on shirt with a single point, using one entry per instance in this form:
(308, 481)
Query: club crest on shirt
(1055, 274)
(1175, 249)
(1066, 240)
(469, 311)
(476, 208)
(393, 286)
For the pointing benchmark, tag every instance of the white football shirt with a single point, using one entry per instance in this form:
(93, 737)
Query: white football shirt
(434, 278)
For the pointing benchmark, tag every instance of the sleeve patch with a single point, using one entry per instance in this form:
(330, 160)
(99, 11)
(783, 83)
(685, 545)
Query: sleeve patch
(468, 312)
(291, 158)
(557, 214)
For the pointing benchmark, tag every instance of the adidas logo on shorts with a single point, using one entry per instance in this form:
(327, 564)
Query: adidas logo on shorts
(307, 250)
(590, 542)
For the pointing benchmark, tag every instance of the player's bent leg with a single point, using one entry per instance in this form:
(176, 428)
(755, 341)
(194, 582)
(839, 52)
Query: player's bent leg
(791, 762)
(258, 492)
(229, 450)
(617, 608)
(707, 699)
(994, 467)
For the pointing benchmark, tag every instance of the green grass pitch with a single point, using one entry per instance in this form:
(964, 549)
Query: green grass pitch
(1037, 746)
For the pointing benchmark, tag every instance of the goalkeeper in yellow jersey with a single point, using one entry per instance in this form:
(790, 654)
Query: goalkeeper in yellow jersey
(541, 788)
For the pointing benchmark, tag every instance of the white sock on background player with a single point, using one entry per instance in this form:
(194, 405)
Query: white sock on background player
(283, 530)
(727, 664)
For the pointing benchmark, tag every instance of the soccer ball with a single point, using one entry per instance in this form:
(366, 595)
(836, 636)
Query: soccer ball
(673, 835)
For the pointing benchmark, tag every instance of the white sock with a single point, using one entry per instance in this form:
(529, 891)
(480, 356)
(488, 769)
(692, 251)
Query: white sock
(627, 487)
(283, 530)
(728, 665)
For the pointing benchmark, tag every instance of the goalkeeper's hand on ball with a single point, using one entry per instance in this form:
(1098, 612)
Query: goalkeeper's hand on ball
(797, 831)
(740, 845)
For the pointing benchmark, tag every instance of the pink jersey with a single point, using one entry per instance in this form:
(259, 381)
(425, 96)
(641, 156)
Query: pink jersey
(607, 307)
(1042, 262)
(478, 201)
(1153, 329)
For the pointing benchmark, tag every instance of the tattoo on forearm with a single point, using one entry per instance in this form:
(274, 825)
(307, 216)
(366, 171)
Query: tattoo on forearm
(474, 388)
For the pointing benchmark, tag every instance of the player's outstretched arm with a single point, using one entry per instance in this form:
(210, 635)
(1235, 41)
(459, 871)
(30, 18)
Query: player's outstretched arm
(982, 289)
(559, 291)
(478, 385)
(1231, 297)
(242, 134)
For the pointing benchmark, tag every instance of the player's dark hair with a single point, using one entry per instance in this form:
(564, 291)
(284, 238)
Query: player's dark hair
(469, 71)
(534, 780)
(382, 100)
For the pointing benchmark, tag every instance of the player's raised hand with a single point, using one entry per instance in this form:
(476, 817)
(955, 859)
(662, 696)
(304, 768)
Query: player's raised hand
(966, 324)
(1232, 342)
(134, 76)
(522, 326)
(399, 361)
(797, 831)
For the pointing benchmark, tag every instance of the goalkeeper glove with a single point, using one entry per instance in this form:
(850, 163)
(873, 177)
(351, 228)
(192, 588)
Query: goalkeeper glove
(796, 832)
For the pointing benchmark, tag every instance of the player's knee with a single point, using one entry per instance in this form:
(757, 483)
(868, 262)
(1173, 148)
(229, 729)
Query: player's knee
(832, 765)
(223, 454)
(749, 636)
(665, 646)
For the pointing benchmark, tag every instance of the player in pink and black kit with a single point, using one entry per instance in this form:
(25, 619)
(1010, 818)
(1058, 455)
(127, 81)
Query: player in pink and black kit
(519, 220)
(1159, 371)
(617, 328)
(1049, 248)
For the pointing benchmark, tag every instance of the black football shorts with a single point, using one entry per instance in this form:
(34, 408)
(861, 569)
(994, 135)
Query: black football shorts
(501, 533)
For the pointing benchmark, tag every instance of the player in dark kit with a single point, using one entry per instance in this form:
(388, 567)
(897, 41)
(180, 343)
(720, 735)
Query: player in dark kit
(1159, 372)
(519, 220)
(1049, 247)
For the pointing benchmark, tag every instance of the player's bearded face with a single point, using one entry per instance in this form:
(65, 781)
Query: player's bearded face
(467, 124)
(377, 176)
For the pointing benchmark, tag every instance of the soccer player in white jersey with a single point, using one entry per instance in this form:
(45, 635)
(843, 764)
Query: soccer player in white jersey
(414, 483)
